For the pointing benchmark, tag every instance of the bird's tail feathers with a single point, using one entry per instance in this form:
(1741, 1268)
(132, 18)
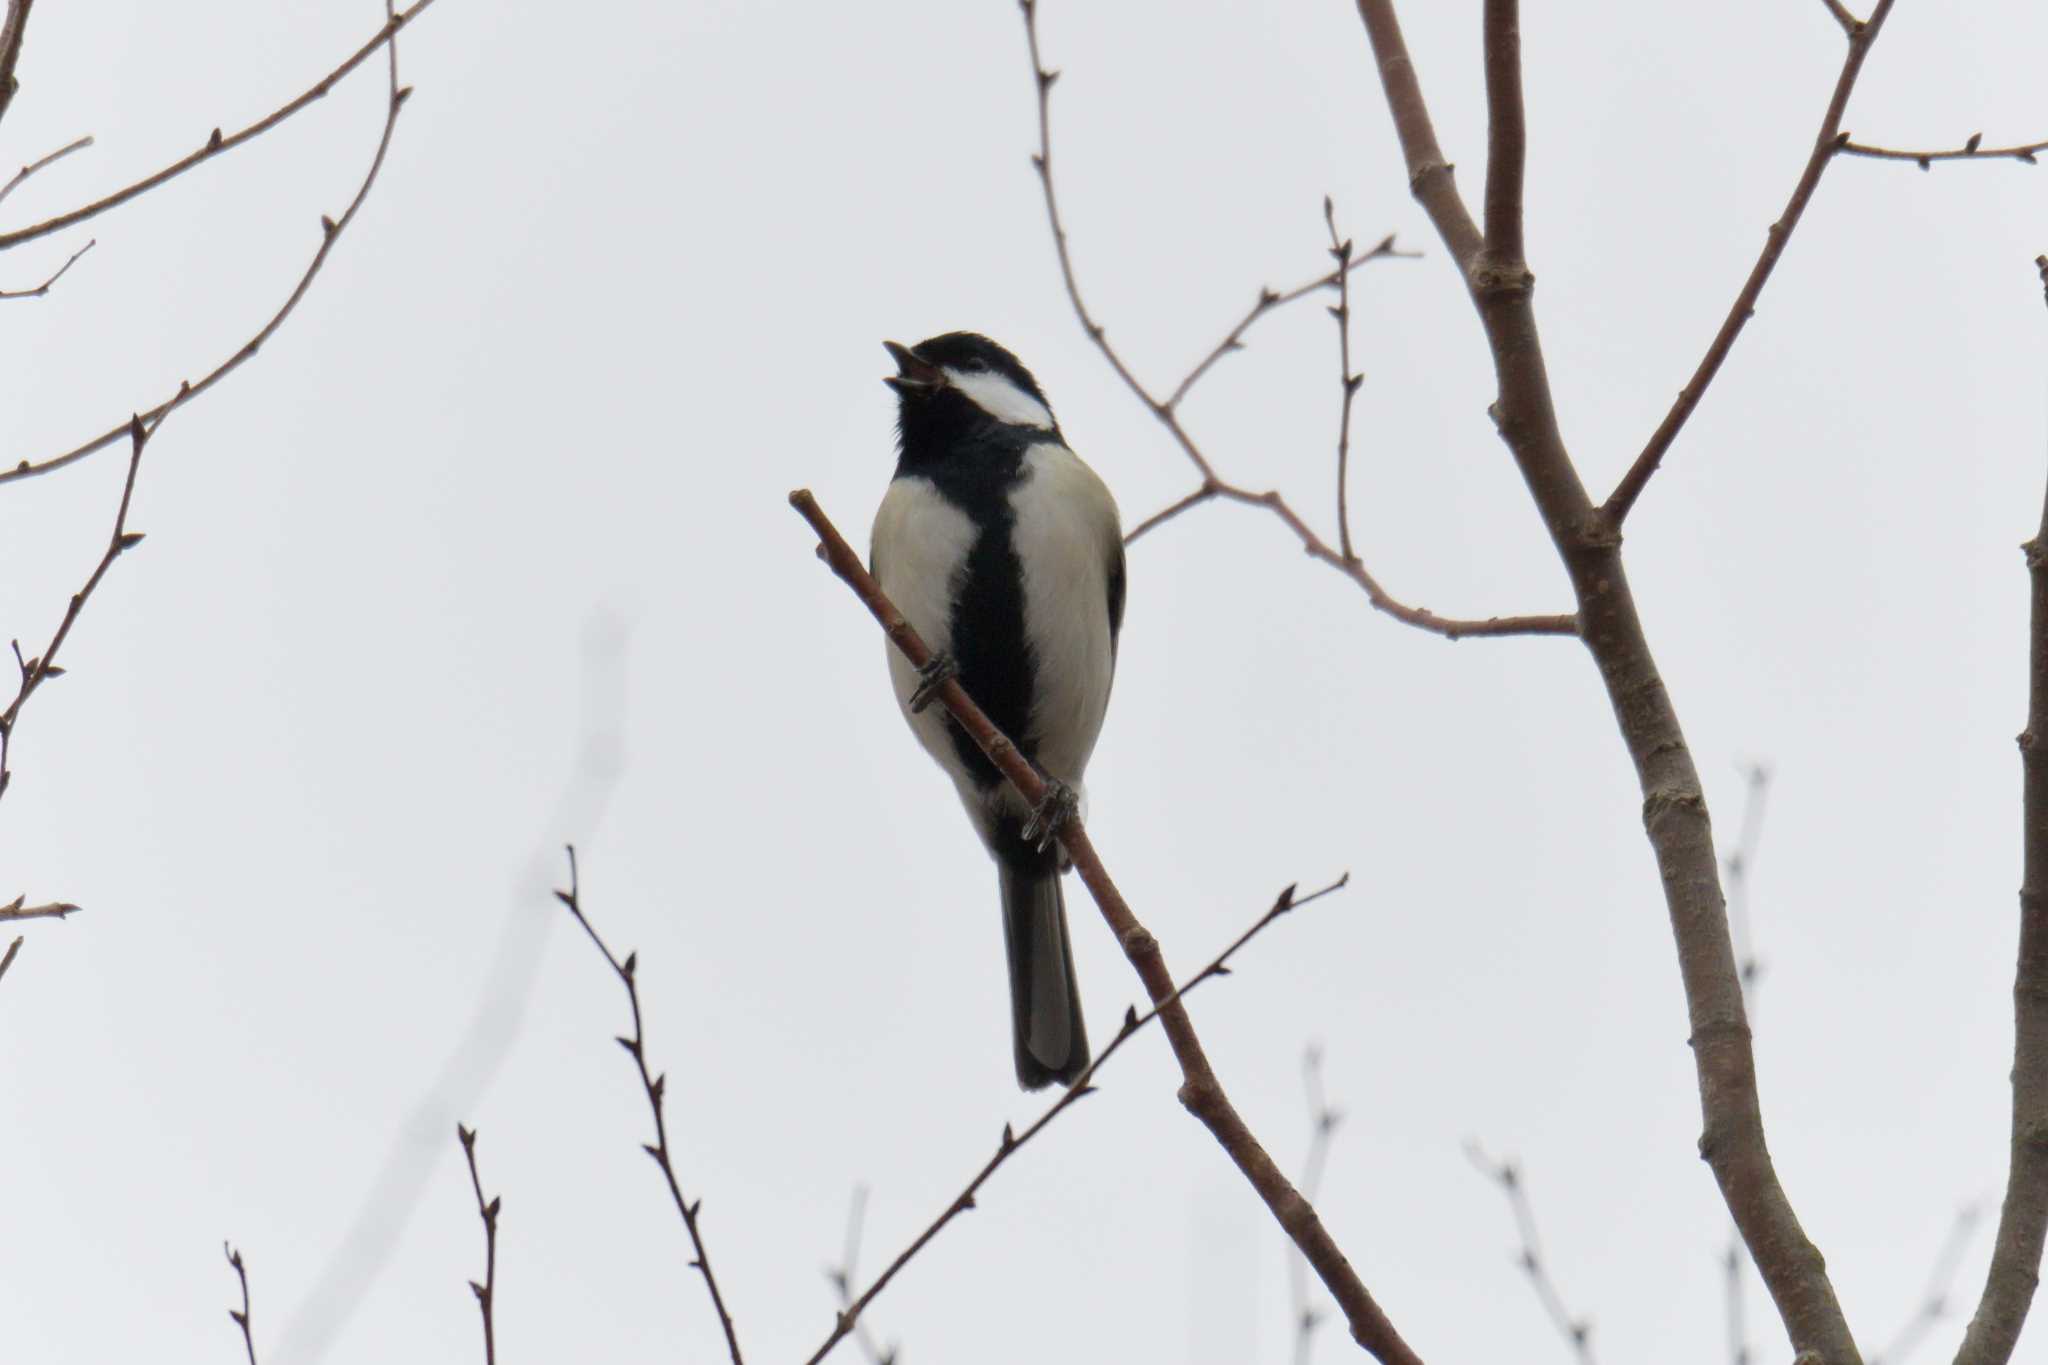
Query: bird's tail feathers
(1045, 1006)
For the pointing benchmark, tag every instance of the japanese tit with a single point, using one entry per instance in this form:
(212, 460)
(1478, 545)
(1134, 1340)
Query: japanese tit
(1004, 550)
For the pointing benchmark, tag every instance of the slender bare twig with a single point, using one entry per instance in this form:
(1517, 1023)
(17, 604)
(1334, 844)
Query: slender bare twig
(487, 1210)
(12, 949)
(1934, 1299)
(1971, 150)
(1166, 410)
(2023, 1218)
(43, 667)
(15, 909)
(241, 1315)
(12, 30)
(1340, 251)
(57, 275)
(1849, 22)
(1675, 817)
(1577, 1331)
(217, 142)
(1201, 1093)
(1012, 1141)
(842, 1278)
(1323, 1121)
(656, 1087)
(330, 233)
(1826, 143)
(75, 145)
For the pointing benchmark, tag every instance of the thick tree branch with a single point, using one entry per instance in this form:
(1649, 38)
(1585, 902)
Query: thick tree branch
(13, 29)
(1674, 806)
(656, 1088)
(1166, 411)
(217, 142)
(2023, 1219)
(1826, 143)
(331, 230)
(1200, 1093)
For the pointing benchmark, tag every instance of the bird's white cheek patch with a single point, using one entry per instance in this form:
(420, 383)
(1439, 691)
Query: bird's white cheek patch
(1001, 399)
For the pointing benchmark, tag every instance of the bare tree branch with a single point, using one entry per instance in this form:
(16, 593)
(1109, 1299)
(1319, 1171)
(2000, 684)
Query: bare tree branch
(218, 142)
(1323, 1121)
(8, 960)
(75, 145)
(487, 1210)
(1849, 22)
(1674, 806)
(656, 1087)
(12, 30)
(44, 287)
(43, 667)
(1201, 1093)
(1735, 871)
(1826, 143)
(1340, 250)
(1971, 150)
(1212, 485)
(842, 1277)
(1576, 1331)
(15, 909)
(241, 1315)
(2023, 1219)
(330, 233)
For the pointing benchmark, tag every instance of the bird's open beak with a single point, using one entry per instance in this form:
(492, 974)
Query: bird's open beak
(914, 374)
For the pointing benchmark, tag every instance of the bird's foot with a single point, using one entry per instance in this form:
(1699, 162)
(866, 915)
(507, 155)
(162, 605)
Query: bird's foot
(1059, 806)
(931, 678)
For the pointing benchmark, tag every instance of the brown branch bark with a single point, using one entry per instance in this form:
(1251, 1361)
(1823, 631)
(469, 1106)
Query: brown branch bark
(1674, 806)
(1971, 150)
(2023, 1220)
(1200, 1092)
(51, 279)
(486, 1290)
(13, 29)
(1826, 143)
(241, 1315)
(48, 159)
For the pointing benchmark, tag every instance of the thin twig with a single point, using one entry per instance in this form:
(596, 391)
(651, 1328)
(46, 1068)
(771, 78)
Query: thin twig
(44, 287)
(656, 1087)
(217, 142)
(15, 909)
(1323, 1121)
(1340, 251)
(75, 145)
(330, 230)
(1826, 143)
(1011, 1141)
(12, 31)
(241, 1315)
(1849, 22)
(842, 1278)
(1934, 1305)
(40, 669)
(12, 949)
(1577, 1331)
(1971, 150)
(1201, 1092)
(487, 1210)
(1166, 410)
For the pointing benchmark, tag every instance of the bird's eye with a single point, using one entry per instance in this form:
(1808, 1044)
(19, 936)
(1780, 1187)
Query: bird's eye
(977, 364)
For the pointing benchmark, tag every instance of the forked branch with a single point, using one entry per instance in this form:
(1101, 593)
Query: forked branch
(1201, 1093)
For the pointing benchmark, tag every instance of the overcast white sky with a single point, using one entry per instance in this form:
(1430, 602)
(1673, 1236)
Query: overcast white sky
(509, 489)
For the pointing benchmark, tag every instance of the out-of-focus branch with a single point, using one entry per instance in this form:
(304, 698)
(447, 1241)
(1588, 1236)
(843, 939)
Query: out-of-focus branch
(1735, 871)
(330, 233)
(1166, 411)
(54, 276)
(1826, 143)
(75, 145)
(1675, 817)
(1934, 1299)
(1201, 1093)
(656, 1087)
(34, 672)
(8, 960)
(1971, 150)
(218, 142)
(12, 30)
(241, 1315)
(1577, 1331)
(843, 1275)
(2023, 1219)
(1323, 1121)
(487, 1210)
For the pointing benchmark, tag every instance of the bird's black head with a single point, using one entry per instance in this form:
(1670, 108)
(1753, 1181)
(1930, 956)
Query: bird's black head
(960, 386)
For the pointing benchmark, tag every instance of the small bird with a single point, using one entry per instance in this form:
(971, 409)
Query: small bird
(1004, 550)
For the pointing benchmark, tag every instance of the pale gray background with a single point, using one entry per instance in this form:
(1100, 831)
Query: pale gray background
(516, 473)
